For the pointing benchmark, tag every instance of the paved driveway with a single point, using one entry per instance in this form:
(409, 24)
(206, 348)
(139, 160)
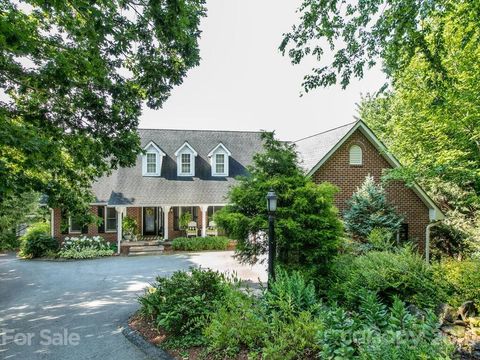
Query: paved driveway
(84, 302)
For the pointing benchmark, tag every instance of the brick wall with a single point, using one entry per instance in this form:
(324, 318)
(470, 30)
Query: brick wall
(92, 228)
(172, 234)
(348, 178)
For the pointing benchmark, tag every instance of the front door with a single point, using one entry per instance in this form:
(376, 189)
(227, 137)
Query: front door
(150, 223)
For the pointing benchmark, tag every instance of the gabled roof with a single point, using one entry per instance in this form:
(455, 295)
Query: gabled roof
(315, 150)
(218, 147)
(188, 146)
(127, 186)
(155, 146)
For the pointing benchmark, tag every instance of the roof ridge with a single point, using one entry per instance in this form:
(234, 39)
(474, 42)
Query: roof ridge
(206, 130)
(326, 131)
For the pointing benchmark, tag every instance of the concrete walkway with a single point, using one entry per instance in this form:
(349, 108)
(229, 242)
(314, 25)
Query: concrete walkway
(60, 304)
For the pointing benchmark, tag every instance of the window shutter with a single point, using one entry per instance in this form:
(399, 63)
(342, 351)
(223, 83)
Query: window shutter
(101, 215)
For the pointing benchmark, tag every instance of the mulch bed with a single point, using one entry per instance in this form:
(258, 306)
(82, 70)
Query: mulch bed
(156, 336)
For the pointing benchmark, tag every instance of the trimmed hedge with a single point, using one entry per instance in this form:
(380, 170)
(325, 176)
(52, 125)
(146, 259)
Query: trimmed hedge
(199, 243)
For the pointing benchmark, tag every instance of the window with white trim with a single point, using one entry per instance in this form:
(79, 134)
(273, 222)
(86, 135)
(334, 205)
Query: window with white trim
(219, 159)
(110, 219)
(356, 156)
(186, 155)
(75, 226)
(152, 160)
(151, 163)
(186, 166)
(220, 163)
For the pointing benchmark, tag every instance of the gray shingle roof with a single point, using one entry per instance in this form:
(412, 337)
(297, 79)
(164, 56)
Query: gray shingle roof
(312, 149)
(127, 186)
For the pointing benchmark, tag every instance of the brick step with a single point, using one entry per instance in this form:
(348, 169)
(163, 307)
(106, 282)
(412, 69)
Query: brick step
(140, 253)
(145, 248)
(140, 243)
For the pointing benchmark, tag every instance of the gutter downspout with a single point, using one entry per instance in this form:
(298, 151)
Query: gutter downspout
(427, 240)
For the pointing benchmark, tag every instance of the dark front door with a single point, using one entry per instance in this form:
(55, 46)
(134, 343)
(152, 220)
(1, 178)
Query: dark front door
(150, 221)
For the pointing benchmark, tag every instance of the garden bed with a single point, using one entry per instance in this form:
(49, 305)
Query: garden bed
(156, 337)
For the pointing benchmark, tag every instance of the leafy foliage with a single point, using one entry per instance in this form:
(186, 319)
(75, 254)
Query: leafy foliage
(130, 226)
(459, 280)
(15, 211)
(368, 209)
(85, 242)
(290, 289)
(360, 33)
(86, 253)
(239, 323)
(37, 242)
(403, 274)
(307, 227)
(377, 333)
(75, 75)
(182, 305)
(432, 124)
(200, 243)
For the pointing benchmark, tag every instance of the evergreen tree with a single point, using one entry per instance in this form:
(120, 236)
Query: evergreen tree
(307, 224)
(369, 209)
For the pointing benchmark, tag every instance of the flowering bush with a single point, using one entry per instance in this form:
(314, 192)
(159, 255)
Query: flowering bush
(85, 247)
(85, 242)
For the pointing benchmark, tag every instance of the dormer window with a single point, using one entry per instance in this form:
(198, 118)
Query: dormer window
(152, 160)
(219, 160)
(186, 160)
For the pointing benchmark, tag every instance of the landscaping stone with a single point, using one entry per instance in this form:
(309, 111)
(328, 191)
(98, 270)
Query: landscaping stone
(446, 314)
(454, 330)
(466, 310)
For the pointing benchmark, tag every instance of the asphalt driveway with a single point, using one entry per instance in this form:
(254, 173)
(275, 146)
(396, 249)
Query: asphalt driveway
(74, 310)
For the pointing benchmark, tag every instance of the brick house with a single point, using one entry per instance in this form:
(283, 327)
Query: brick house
(192, 171)
(344, 156)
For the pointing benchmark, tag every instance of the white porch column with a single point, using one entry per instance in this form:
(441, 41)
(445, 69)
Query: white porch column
(120, 210)
(166, 210)
(204, 219)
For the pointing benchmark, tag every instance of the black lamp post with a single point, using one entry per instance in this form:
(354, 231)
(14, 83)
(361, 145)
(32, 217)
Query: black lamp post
(272, 246)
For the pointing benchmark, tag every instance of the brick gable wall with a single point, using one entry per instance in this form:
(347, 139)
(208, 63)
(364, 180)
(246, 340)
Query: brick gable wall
(348, 178)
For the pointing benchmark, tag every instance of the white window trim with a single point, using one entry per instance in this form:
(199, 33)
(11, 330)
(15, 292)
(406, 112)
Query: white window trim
(105, 219)
(152, 148)
(186, 149)
(70, 231)
(353, 161)
(220, 149)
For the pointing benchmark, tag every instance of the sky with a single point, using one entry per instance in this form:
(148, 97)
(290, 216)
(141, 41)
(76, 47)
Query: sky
(244, 83)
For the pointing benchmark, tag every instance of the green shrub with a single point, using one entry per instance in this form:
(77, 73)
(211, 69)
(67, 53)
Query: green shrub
(239, 323)
(403, 273)
(85, 247)
(460, 280)
(282, 325)
(200, 243)
(84, 253)
(368, 209)
(37, 242)
(376, 332)
(294, 338)
(183, 304)
(290, 294)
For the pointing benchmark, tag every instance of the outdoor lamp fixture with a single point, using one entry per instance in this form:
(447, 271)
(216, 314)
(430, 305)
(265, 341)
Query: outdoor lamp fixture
(272, 246)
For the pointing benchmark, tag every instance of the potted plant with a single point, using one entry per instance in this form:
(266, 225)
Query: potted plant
(185, 218)
(130, 228)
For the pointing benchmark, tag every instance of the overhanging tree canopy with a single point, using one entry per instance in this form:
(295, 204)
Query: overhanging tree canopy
(74, 75)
